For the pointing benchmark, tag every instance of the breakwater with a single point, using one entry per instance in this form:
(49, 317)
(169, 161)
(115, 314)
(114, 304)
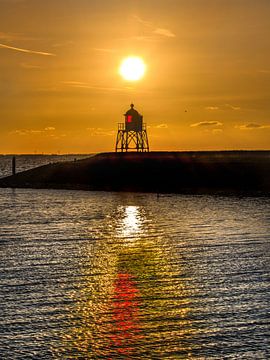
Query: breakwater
(213, 172)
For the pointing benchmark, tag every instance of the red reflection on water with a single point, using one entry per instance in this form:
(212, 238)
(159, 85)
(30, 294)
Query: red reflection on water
(125, 310)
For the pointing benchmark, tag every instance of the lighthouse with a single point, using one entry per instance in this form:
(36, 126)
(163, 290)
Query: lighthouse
(132, 134)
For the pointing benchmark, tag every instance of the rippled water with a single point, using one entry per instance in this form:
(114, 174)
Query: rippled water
(88, 275)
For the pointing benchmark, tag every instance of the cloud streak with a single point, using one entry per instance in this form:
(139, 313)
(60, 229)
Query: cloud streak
(164, 32)
(212, 108)
(83, 85)
(154, 30)
(161, 126)
(206, 124)
(100, 132)
(47, 130)
(252, 126)
(4, 46)
(223, 107)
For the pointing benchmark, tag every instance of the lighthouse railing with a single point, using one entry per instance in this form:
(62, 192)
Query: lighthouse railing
(122, 126)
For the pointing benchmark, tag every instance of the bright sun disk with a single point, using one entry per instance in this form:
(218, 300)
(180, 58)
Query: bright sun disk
(132, 68)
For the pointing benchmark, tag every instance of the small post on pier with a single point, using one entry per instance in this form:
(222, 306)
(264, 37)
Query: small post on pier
(13, 165)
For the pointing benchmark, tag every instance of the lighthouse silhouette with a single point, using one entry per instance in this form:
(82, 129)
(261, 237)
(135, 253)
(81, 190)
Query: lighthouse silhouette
(132, 134)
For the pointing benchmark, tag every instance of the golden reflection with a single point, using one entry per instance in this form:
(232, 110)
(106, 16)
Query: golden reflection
(131, 298)
(131, 223)
(125, 314)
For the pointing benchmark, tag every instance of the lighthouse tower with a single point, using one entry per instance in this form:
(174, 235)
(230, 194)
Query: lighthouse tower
(132, 134)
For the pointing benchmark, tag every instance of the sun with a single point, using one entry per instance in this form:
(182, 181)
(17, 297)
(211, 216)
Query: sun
(132, 68)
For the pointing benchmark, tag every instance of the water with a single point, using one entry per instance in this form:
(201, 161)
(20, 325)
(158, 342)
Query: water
(95, 275)
(26, 162)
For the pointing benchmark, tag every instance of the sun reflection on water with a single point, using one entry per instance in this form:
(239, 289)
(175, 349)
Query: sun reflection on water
(131, 294)
(131, 223)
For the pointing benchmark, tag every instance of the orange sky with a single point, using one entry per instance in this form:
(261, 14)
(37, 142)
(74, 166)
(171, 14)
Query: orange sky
(207, 84)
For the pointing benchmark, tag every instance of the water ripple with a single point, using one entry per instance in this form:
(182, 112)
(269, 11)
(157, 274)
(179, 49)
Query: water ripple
(129, 276)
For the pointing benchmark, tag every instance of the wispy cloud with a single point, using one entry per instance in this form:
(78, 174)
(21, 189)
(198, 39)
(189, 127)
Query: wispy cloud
(160, 31)
(164, 32)
(211, 108)
(75, 83)
(100, 132)
(206, 124)
(161, 126)
(222, 107)
(145, 38)
(142, 21)
(46, 130)
(4, 46)
(252, 126)
(84, 85)
(232, 107)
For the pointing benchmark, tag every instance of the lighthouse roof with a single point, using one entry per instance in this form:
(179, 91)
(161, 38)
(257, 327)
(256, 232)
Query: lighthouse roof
(132, 111)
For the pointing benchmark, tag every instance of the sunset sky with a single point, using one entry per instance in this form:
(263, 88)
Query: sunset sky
(206, 87)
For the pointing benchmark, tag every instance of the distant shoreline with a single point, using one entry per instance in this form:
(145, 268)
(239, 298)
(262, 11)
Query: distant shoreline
(226, 172)
(156, 151)
(43, 154)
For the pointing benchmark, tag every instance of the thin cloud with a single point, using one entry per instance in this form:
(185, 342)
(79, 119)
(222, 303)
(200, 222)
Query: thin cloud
(46, 130)
(149, 38)
(164, 32)
(162, 126)
(206, 124)
(100, 132)
(141, 21)
(154, 30)
(74, 83)
(222, 107)
(26, 132)
(232, 107)
(83, 85)
(211, 108)
(26, 50)
(252, 126)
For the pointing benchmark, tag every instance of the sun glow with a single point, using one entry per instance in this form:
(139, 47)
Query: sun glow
(132, 68)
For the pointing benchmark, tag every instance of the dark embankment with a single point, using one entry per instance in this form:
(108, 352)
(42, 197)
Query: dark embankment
(221, 172)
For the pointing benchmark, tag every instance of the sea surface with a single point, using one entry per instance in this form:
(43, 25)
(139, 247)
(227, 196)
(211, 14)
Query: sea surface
(102, 275)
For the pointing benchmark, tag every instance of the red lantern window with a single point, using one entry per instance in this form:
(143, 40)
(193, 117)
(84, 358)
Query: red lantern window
(129, 118)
